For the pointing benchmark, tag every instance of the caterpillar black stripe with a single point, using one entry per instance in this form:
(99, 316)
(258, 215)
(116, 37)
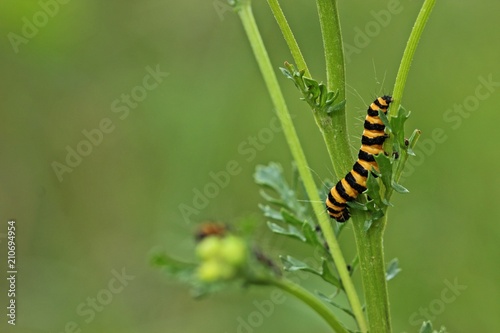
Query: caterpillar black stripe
(354, 183)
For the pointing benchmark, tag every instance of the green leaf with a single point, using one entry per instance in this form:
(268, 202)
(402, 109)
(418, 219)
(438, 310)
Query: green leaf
(182, 270)
(305, 228)
(271, 212)
(331, 97)
(397, 125)
(412, 141)
(287, 73)
(385, 166)
(336, 107)
(271, 199)
(357, 205)
(272, 177)
(291, 219)
(328, 275)
(289, 231)
(328, 300)
(373, 190)
(392, 269)
(292, 264)
(375, 213)
(386, 122)
(426, 327)
(399, 188)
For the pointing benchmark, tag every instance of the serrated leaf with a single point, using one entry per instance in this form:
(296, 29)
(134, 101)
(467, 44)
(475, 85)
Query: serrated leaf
(384, 119)
(292, 264)
(327, 274)
(357, 205)
(305, 228)
(373, 190)
(271, 212)
(426, 327)
(173, 267)
(367, 225)
(291, 219)
(287, 73)
(332, 96)
(397, 125)
(399, 188)
(328, 300)
(272, 177)
(336, 107)
(385, 166)
(311, 235)
(289, 231)
(412, 141)
(377, 214)
(392, 269)
(312, 85)
(271, 199)
(396, 149)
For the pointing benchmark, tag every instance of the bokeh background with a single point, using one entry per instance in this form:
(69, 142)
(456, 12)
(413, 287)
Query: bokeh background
(122, 200)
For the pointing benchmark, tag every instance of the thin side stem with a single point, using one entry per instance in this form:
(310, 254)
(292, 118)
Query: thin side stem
(333, 127)
(370, 243)
(298, 58)
(408, 54)
(314, 302)
(250, 26)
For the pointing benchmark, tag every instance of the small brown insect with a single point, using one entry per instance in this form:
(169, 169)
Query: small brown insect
(210, 228)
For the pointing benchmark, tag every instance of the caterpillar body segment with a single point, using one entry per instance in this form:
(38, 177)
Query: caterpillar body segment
(354, 183)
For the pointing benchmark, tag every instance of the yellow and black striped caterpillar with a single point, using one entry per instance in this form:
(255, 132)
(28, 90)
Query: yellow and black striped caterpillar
(354, 183)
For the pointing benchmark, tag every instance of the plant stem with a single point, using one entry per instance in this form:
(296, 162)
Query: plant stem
(334, 126)
(298, 58)
(408, 54)
(314, 302)
(250, 26)
(370, 243)
(372, 266)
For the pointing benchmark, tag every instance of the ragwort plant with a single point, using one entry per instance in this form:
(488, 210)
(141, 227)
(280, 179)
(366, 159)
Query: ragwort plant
(226, 257)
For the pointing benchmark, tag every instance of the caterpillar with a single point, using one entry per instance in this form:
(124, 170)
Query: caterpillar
(354, 183)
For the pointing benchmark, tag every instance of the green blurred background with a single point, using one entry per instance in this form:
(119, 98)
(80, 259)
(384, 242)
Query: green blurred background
(122, 200)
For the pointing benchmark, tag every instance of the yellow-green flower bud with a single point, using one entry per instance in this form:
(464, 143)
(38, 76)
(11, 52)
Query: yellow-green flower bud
(214, 270)
(233, 250)
(209, 248)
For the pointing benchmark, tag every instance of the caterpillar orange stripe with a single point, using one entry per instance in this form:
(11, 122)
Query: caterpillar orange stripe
(354, 183)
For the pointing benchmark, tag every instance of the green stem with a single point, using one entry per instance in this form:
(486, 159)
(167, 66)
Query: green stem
(334, 127)
(250, 26)
(314, 302)
(372, 266)
(298, 58)
(408, 54)
(370, 243)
